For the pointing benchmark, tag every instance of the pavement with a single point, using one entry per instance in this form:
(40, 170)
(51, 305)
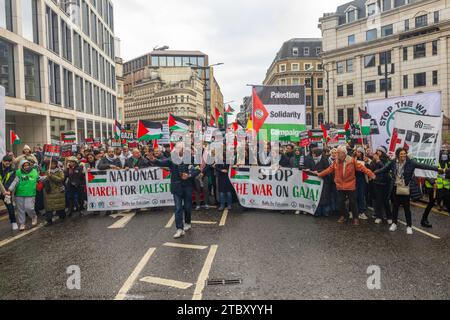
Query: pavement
(250, 254)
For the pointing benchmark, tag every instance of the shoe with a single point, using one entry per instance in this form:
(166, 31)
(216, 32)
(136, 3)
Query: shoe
(14, 226)
(355, 222)
(22, 227)
(187, 227)
(363, 216)
(378, 221)
(393, 227)
(221, 208)
(197, 208)
(297, 212)
(409, 230)
(426, 224)
(341, 220)
(34, 221)
(179, 234)
(206, 207)
(389, 222)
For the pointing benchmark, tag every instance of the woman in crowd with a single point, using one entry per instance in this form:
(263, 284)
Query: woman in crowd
(224, 186)
(75, 182)
(381, 187)
(54, 192)
(361, 183)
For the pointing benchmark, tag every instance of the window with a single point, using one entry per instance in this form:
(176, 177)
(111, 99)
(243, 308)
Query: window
(340, 67)
(340, 91)
(349, 65)
(96, 101)
(93, 27)
(54, 82)
(371, 34)
(320, 101)
(405, 53)
(420, 79)
(387, 30)
(436, 17)
(351, 39)
(434, 45)
(320, 83)
(87, 57)
(88, 96)
(296, 81)
(350, 89)
(371, 86)
(79, 93)
(308, 82)
(283, 82)
(306, 51)
(405, 82)
(406, 25)
(5, 15)
(387, 5)
(86, 18)
(319, 67)
(66, 39)
(7, 79)
(383, 85)
(340, 113)
(308, 119)
(30, 30)
(320, 118)
(398, 3)
(385, 57)
(308, 101)
(81, 133)
(295, 52)
(94, 63)
(435, 78)
(369, 61)
(318, 51)
(51, 19)
(68, 89)
(351, 16)
(421, 21)
(32, 76)
(420, 50)
(77, 50)
(282, 68)
(371, 9)
(350, 115)
(307, 66)
(295, 67)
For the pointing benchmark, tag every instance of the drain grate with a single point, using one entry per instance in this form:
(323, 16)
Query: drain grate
(223, 282)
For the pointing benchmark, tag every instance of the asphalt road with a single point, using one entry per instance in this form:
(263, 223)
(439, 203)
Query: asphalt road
(268, 255)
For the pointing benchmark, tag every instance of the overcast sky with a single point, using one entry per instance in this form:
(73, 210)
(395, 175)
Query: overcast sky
(243, 34)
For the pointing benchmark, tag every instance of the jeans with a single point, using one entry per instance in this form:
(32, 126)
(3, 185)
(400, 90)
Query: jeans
(74, 198)
(361, 190)
(201, 185)
(405, 202)
(351, 196)
(229, 199)
(183, 204)
(382, 204)
(334, 199)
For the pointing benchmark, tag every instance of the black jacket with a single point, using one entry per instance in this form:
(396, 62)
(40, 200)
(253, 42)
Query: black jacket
(75, 177)
(408, 172)
(322, 165)
(139, 163)
(105, 163)
(177, 184)
(382, 179)
(7, 181)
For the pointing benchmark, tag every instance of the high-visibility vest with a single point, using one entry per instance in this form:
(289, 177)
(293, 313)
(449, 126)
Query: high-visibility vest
(440, 181)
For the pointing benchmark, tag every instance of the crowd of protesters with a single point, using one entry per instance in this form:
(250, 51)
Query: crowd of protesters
(354, 180)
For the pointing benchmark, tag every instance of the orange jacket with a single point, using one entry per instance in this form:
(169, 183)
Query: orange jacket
(345, 173)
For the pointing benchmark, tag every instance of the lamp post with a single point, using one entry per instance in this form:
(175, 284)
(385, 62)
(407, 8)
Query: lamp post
(328, 90)
(312, 95)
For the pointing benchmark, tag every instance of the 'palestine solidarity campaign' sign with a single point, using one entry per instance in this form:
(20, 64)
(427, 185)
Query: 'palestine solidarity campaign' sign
(281, 189)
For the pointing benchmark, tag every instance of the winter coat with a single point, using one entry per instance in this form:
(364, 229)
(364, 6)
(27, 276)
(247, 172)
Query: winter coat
(285, 160)
(54, 194)
(322, 165)
(105, 163)
(223, 179)
(408, 172)
(345, 173)
(75, 177)
(25, 184)
(178, 185)
(140, 163)
(7, 176)
(382, 179)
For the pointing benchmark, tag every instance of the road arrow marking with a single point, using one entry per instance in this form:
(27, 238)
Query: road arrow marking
(126, 217)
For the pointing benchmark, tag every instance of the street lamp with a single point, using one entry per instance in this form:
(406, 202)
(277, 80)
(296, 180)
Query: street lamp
(328, 90)
(312, 94)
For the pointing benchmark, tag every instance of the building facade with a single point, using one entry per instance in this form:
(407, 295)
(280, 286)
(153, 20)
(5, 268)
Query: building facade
(411, 36)
(120, 80)
(164, 90)
(135, 72)
(57, 65)
(298, 63)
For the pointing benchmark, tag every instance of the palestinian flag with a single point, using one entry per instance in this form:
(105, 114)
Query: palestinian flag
(166, 174)
(69, 137)
(14, 138)
(229, 111)
(117, 129)
(240, 173)
(212, 122)
(311, 180)
(260, 113)
(219, 117)
(178, 124)
(348, 131)
(316, 135)
(148, 130)
(364, 122)
(97, 177)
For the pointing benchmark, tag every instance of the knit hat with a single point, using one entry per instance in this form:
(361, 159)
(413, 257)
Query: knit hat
(382, 149)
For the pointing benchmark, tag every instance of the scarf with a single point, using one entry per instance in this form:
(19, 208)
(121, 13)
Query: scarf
(297, 157)
(110, 159)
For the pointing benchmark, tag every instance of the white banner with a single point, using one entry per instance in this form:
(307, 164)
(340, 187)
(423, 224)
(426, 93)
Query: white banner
(276, 189)
(128, 189)
(384, 111)
(2, 123)
(423, 136)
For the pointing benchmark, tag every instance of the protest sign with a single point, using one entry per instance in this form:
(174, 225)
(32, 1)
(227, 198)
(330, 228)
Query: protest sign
(68, 150)
(69, 137)
(128, 189)
(276, 189)
(52, 151)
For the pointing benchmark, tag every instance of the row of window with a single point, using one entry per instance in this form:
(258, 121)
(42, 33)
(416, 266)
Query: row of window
(102, 129)
(320, 119)
(296, 67)
(307, 82)
(388, 30)
(420, 80)
(340, 116)
(306, 51)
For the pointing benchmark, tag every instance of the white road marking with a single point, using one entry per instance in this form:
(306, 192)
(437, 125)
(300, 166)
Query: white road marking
(20, 235)
(201, 282)
(185, 246)
(422, 231)
(126, 217)
(204, 222)
(170, 223)
(134, 275)
(224, 218)
(167, 282)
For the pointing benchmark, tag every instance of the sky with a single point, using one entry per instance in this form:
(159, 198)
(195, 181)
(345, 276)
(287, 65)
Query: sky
(245, 35)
